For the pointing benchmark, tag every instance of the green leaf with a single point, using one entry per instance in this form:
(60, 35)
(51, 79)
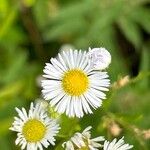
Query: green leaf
(7, 23)
(142, 16)
(105, 17)
(69, 28)
(74, 10)
(10, 90)
(144, 67)
(16, 66)
(131, 31)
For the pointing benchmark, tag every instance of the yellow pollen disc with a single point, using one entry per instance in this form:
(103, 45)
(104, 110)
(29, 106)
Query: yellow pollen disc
(33, 130)
(75, 82)
(84, 148)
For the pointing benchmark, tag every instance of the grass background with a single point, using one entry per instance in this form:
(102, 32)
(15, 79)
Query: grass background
(33, 31)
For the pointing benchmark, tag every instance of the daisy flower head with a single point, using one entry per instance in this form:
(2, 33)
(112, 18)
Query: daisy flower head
(117, 145)
(72, 86)
(35, 129)
(83, 141)
(100, 58)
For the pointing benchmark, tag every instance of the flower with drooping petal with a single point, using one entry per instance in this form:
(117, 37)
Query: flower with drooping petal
(83, 141)
(99, 58)
(35, 129)
(117, 145)
(72, 86)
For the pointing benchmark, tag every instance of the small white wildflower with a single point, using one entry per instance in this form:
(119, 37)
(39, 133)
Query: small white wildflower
(83, 141)
(117, 145)
(35, 129)
(71, 85)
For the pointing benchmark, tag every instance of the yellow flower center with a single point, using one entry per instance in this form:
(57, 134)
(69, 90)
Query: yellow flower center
(75, 82)
(84, 148)
(33, 130)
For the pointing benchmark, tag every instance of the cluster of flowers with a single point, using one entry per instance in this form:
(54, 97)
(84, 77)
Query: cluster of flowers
(83, 141)
(74, 84)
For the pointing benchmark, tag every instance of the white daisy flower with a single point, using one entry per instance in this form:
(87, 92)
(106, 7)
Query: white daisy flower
(83, 141)
(117, 145)
(35, 129)
(100, 58)
(72, 86)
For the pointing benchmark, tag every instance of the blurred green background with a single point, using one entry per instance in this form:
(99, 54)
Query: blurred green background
(32, 31)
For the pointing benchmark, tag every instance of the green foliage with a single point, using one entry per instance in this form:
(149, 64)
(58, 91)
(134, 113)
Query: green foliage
(32, 31)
